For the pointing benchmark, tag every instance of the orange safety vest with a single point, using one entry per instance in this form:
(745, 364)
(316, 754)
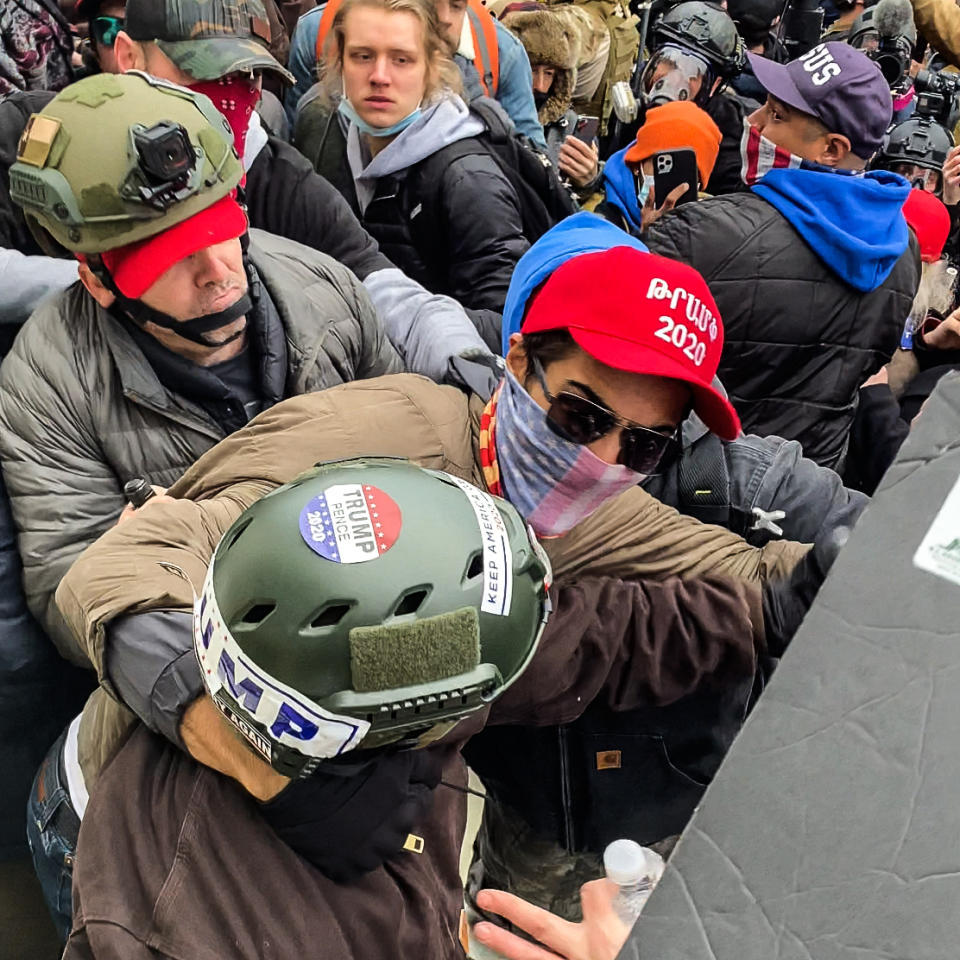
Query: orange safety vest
(482, 26)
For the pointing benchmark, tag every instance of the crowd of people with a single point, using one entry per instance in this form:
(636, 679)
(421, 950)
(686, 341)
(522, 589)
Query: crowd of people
(592, 326)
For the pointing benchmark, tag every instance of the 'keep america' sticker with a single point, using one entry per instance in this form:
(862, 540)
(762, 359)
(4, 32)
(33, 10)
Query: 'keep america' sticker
(351, 523)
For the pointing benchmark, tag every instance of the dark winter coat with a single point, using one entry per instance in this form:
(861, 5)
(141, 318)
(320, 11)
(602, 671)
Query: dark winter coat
(799, 340)
(464, 245)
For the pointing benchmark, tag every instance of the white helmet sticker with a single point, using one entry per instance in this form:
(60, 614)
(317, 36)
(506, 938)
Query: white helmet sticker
(291, 718)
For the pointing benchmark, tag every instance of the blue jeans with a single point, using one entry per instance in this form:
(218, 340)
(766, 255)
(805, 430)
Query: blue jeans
(52, 828)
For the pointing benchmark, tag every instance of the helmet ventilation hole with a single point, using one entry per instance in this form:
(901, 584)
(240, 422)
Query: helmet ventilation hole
(411, 603)
(330, 615)
(476, 566)
(258, 612)
(238, 534)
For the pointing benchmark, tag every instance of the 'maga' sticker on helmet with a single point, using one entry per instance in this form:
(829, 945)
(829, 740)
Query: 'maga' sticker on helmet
(497, 555)
(351, 523)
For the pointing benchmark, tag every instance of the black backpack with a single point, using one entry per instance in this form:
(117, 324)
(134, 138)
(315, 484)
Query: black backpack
(544, 201)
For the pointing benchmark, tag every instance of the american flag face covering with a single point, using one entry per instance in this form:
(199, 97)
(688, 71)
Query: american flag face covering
(760, 156)
(553, 483)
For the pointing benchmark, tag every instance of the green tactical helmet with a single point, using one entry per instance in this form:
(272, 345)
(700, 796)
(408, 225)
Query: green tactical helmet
(366, 603)
(116, 159)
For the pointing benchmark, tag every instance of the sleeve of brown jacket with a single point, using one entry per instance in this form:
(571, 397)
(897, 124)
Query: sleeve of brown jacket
(632, 644)
(636, 536)
(939, 22)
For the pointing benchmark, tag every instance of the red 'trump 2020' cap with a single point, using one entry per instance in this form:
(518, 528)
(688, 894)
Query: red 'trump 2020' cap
(641, 313)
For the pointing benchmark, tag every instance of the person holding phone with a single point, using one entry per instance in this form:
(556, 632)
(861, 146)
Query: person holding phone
(553, 38)
(668, 164)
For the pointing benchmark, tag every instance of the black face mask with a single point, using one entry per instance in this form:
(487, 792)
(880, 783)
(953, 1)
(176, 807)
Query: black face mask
(540, 99)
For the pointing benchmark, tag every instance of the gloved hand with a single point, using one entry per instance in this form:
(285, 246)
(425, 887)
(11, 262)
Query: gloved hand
(475, 372)
(348, 818)
(786, 602)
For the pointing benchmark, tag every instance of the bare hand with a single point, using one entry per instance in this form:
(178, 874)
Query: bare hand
(945, 335)
(578, 161)
(161, 497)
(211, 740)
(879, 377)
(600, 935)
(650, 212)
(951, 177)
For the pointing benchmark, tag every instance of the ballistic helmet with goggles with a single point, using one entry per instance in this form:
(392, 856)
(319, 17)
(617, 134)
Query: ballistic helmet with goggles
(113, 160)
(916, 149)
(706, 31)
(367, 603)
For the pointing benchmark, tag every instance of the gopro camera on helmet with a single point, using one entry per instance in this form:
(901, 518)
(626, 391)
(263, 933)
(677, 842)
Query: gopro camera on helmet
(164, 150)
(167, 161)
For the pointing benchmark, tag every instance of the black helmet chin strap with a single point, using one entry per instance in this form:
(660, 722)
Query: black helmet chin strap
(195, 328)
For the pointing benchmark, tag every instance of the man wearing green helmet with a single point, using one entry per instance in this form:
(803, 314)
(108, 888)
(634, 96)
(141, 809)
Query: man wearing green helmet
(621, 640)
(218, 48)
(178, 334)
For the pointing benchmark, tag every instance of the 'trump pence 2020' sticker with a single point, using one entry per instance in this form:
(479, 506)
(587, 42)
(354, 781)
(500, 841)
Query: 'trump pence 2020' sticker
(350, 523)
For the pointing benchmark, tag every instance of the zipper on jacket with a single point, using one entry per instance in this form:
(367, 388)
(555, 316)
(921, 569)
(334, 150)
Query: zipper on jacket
(566, 802)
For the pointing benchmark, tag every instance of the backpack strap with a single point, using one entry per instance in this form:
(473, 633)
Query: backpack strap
(424, 182)
(326, 25)
(704, 481)
(486, 49)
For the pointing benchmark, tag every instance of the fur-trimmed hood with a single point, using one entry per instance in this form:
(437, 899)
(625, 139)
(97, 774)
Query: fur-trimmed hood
(552, 38)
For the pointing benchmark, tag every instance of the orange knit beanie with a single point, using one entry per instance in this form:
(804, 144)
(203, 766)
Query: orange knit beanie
(673, 126)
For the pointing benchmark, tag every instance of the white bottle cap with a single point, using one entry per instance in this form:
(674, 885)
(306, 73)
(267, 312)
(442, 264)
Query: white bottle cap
(625, 862)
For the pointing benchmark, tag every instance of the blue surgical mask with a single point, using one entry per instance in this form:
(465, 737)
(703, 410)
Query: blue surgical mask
(552, 482)
(643, 192)
(346, 108)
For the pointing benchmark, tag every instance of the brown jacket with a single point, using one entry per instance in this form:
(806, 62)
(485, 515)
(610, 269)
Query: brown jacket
(159, 558)
(172, 855)
(939, 23)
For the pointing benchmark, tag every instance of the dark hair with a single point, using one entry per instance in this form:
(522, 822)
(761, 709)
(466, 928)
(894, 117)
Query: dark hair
(547, 347)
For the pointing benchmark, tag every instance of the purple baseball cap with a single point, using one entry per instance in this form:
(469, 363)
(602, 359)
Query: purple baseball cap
(840, 86)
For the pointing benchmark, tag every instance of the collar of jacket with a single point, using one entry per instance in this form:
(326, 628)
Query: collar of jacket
(154, 376)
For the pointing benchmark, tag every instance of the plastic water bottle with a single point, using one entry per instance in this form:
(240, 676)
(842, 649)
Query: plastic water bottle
(636, 871)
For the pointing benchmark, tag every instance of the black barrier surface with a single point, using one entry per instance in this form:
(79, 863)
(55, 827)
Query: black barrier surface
(832, 830)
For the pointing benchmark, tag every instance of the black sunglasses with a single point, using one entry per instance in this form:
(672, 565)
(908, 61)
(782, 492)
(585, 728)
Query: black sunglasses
(582, 421)
(105, 29)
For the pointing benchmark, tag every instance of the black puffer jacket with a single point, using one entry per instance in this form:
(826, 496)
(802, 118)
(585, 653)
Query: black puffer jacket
(799, 340)
(465, 245)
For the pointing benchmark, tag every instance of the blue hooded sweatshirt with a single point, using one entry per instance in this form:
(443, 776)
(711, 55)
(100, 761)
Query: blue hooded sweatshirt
(579, 234)
(854, 224)
(620, 188)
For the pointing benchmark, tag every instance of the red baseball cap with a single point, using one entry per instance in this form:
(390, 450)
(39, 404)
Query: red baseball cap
(642, 313)
(137, 266)
(929, 219)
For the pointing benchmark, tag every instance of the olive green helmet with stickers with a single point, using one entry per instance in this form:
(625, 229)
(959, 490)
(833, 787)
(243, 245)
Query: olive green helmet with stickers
(368, 602)
(112, 160)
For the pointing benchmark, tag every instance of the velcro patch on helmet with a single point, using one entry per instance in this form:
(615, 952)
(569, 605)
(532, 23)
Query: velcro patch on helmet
(389, 656)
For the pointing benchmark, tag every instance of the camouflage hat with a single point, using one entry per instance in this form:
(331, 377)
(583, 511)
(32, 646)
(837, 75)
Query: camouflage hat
(207, 39)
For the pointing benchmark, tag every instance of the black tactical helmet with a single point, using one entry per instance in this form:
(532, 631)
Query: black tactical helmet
(704, 30)
(919, 141)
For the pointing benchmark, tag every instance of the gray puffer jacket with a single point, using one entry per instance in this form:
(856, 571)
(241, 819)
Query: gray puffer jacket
(82, 411)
